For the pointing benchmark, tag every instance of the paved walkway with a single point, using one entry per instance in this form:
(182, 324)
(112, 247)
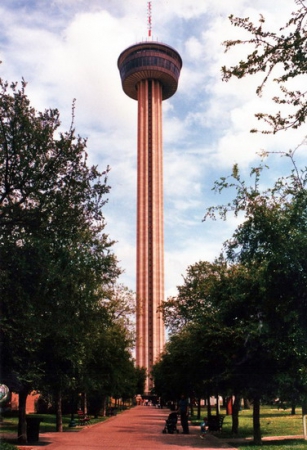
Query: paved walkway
(139, 428)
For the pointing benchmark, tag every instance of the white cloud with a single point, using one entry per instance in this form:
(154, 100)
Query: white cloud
(68, 49)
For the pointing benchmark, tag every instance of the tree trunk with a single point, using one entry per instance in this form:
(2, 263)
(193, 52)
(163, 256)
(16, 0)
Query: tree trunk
(209, 406)
(304, 406)
(293, 407)
(85, 403)
(104, 406)
(22, 423)
(58, 406)
(191, 407)
(235, 414)
(256, 421)
(217, 406)
(247, 404)
(198, 408)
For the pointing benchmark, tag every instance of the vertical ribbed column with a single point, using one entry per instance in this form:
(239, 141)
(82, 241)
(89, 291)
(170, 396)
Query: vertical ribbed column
(142, 226)
(150, 236)
(157, 218)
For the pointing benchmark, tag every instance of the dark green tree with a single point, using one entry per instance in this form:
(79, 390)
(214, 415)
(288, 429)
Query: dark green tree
(109, 368)
(271, 245)
(55, 259)
(220, 303)
(195, 296)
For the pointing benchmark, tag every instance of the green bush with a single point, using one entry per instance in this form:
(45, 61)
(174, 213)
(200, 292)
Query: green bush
(7, 446)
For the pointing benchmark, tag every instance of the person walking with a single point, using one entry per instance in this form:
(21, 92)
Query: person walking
(204, 427)
(183, 411)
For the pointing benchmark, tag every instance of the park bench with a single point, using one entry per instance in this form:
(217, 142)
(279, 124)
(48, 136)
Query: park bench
(111, 411)
(83, 419)
(215, 423)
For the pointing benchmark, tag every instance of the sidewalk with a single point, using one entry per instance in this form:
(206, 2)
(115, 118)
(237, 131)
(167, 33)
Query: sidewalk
(139, 428)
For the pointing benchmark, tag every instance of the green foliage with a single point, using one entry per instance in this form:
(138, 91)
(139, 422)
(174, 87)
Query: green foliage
(267, 242)
(194, 296)
(238, 325)
(56, 265)
(140, 376)
(55, 258)
(121, 306)
(286, 49)
(274, 422)
(226, 311)
(7, 446)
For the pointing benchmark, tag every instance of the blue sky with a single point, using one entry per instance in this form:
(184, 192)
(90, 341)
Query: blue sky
(68, 49)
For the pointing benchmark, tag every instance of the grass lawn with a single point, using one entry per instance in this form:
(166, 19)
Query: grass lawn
(9, 426)
(47, 424)
(274, 422)
(295, 444)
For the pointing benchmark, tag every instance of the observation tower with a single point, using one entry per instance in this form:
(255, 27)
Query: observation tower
(149, 73)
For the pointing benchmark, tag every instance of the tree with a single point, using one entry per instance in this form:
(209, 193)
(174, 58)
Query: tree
(172, 373)
(140, 375)
(194, 297)
(221, 303)
(121, 304)
(55, 259)
(109, 368)
(194, 321)
(271, 51)
(271, 244)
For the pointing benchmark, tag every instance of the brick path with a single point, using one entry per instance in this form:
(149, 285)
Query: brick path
(139, 428)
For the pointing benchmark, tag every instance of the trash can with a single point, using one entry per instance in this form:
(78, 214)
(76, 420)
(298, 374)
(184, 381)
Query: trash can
(33, 429)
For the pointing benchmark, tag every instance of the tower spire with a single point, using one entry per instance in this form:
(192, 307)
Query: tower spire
(149, 19)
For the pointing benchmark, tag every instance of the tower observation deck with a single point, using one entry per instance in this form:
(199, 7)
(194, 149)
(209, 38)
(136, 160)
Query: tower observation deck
(149, 60)
(149, 73)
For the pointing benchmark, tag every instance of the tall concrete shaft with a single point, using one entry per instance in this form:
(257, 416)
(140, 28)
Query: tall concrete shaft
(149, 72)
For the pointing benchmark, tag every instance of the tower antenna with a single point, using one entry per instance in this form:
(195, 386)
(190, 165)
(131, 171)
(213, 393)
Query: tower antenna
(149, 16)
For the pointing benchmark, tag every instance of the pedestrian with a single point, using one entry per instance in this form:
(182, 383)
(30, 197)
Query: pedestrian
(183, 411)
(204, 427)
